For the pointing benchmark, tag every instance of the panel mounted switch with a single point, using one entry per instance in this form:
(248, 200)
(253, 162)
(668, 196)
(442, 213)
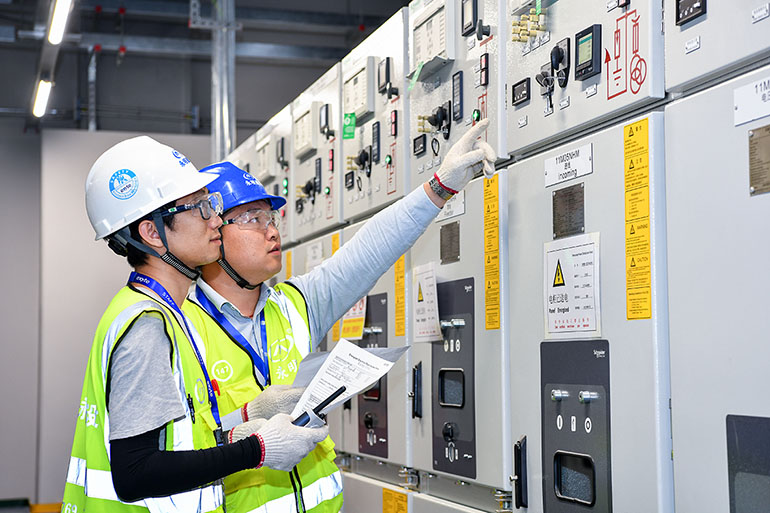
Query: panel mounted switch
(440, 119)
(363, 160)
(546, 81)
(450, 431)
(560, 57)
(482, 30)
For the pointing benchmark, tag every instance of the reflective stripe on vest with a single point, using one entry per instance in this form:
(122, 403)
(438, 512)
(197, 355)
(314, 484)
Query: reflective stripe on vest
(98, 485)
(290, 312)
(322, 490)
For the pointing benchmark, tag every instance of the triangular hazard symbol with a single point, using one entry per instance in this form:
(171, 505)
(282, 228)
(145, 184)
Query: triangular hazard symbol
(630, 131)
(558, 279)
(630, 164)
(633, 262)
(419, 292)
(632, 230)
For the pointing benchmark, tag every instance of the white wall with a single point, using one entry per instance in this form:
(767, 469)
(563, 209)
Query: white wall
(19, 315)
(78, 278)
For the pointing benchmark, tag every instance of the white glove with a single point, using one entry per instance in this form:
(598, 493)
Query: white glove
(273, 400)
(465, 157)
(244, 430)
(284, 444)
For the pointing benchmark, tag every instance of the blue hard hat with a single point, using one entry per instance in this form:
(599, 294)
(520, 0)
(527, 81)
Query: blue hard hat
(238, 187)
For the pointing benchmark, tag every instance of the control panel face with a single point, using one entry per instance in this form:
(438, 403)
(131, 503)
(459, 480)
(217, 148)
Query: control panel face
(591, 61)
(450, 95)
(272, 166)
(316, 135)
(453, 382)
(374, 163)
(373, 404)
(697, 50)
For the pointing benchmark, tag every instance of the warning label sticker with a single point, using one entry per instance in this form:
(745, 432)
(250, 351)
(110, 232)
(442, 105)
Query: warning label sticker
(394, 502)
(399, 273)
(492, 253)
(571, 286)
(335, 247)
(637, 220)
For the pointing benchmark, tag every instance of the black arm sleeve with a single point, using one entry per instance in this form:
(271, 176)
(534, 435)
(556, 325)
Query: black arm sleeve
(140, 469)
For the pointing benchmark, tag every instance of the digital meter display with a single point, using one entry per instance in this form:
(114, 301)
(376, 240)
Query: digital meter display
(383, 74)
(687, 10)
(520, 92)
(468, 16)
(588, 46)
(585, 44)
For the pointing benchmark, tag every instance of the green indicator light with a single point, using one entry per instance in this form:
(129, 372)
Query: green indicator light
(388, 159)
(285, 182)
(327, 191)
(285, 191)
(476, 115)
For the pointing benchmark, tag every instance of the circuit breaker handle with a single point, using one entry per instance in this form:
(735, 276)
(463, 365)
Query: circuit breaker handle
(481, 30)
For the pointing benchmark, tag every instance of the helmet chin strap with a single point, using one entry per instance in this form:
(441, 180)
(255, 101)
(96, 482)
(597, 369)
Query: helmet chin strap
(232, 273)
(123, 238)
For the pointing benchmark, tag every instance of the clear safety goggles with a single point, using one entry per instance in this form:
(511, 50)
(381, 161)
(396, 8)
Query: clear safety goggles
(210, 205)
(255, 219)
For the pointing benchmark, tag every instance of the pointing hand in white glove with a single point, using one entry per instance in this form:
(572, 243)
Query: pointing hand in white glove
(466, 157)
(283, 444)
(273, 400)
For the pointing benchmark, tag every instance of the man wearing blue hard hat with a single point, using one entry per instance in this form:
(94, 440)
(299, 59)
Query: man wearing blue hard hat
(258, 334)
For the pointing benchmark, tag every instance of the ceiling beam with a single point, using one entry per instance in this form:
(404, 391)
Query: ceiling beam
(176, 47)
(250, 17)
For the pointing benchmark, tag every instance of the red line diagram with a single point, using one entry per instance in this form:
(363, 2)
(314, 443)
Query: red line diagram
(622, 75)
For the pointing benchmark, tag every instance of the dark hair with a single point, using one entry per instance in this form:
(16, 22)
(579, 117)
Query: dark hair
(135, 256)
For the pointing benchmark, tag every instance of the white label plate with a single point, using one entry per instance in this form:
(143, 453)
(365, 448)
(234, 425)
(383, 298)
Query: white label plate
(752, 101)
(569, 164)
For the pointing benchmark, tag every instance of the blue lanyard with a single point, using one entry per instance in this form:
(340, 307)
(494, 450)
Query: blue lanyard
(156, 287)
(262, 364)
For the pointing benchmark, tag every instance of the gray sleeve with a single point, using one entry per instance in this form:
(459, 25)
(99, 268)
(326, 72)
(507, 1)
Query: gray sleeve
(333, 287)
(143, 394)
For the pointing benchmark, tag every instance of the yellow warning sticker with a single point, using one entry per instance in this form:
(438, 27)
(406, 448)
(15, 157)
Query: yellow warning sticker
(288, 265)
(394, 502)
(492, 253)
(335, 247)
(353, 321)
(558, 277)
(399, 272)
(636, 157)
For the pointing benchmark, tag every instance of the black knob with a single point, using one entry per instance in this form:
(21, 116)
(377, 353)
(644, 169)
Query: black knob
(369, 420)
(450, 431)
(557, 55)
(362, 159)
(309, 187)
(392, 91)
(481, 30)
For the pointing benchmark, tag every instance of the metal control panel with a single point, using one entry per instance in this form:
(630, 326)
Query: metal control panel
(697, 49)
(588, 310)
(375, 165)
(575, 406)
(377, 423)
(719, 326)
(366, 494)
(456, 78)
(271, 166)
(573, 65)
(243, 156)
(460, 420)
(316, 146)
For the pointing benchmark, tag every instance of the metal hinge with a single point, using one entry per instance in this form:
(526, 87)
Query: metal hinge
(411, 478)
(504, 501)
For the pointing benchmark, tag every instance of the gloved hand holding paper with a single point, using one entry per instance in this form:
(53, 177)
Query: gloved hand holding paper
(347, 364)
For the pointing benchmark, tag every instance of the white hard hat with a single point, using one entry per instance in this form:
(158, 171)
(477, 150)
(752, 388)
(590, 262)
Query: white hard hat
(135, 177)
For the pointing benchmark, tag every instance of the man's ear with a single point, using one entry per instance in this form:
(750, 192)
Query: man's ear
(149, 235)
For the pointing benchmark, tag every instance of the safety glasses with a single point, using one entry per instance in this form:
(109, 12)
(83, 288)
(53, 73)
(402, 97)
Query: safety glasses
(210, 205)
(255, 219)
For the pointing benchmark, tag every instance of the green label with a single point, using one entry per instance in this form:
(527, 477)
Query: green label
(538, 7)
(349, 126)
(416, 75)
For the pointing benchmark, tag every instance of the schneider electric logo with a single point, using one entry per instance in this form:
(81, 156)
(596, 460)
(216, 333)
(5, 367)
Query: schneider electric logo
(599, 354)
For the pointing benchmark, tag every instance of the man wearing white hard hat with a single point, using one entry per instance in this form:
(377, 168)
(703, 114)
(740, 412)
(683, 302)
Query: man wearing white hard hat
(148, 435)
